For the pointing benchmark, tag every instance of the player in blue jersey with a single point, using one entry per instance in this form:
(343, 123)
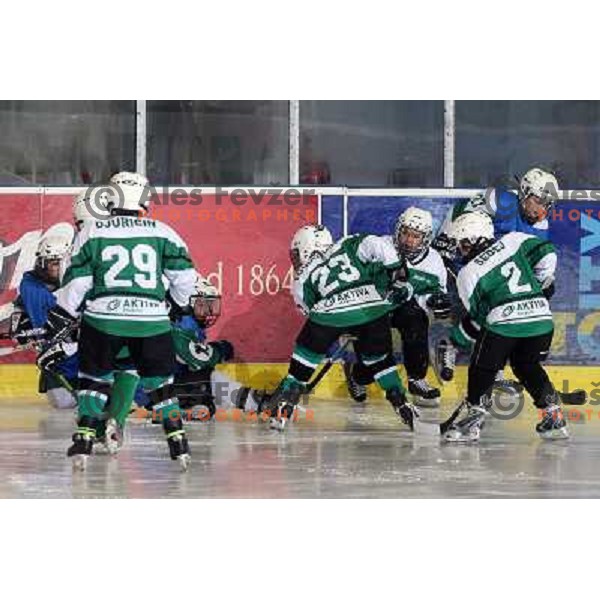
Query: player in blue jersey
(524, 211)
(35, 299)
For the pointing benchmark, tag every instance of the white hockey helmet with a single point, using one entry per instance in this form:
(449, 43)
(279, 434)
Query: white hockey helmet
(90, 205)
(472, 232)
(130, 179)
(53, 247)
(205, 302)
(307, 241)
(132, 192)
(541, 184)
(416, 220)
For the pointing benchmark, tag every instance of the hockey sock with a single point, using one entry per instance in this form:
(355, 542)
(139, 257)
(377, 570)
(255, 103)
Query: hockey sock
(121, 398)
(303, 363)
(93, 395)
(162, 397)
(384, 371)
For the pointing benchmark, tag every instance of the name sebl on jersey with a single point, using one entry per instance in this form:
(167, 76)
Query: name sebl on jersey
(501, 287)
(115, 275)
(349, 285)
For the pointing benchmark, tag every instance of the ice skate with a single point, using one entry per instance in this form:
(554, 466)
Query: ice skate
(445, 360)
(357, 392)
(553, 425)
(179, 448)
(424, 395)
(80, 450)
(204, 411)
(469, 428)
(405, 410)
(507, 386)
(285, 412)
(114, 437)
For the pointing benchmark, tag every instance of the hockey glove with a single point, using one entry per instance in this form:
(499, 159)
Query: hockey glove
(224, 348)
(445, 246)
(400, 293)
(59, 324)
(23, 331)
(440, 306)
(176, 312)
(548, 288)
(53, 354)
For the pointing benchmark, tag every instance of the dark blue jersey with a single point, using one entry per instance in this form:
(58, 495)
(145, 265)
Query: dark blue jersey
(36, 300)
(508, 218)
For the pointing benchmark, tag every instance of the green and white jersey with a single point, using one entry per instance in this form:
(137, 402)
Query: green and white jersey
(192, 353)
(427, 275)
(348, 286)
(501, 287)
(115, 275)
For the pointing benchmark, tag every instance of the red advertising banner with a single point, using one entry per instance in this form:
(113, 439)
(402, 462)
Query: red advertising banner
(239, 240)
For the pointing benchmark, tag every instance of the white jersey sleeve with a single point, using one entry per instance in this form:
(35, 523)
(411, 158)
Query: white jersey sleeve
(71, 295)
(380, 249)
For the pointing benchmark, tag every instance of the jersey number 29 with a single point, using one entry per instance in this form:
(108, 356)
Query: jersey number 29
(143, 258)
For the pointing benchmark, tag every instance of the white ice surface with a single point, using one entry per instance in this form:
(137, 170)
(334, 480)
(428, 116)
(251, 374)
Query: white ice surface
(345, 451)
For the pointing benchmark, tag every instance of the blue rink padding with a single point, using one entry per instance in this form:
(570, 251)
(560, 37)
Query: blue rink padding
(574, 230)
(332, 215)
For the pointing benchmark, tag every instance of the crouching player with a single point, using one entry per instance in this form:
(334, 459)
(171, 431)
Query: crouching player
(196, 358)
(426, 295)
(342, 289)
(36, 298)
(508, 317)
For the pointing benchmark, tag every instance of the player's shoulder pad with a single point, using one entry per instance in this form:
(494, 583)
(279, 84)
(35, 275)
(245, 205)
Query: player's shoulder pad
(516, 237)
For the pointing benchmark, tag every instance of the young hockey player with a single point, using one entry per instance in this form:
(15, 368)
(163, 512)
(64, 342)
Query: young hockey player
(426, 277)
(525, 211)
(115, 280)
(508, 316)
(196, 358)
(342, 288)
(36, 298)
(91, 205)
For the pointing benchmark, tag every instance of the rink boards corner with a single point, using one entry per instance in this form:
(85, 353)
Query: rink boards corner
(243, 247)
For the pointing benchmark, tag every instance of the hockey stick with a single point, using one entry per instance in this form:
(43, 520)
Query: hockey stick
(437, 429)
(328, 364)
(445, 425)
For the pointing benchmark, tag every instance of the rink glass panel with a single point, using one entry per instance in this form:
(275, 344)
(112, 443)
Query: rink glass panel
(216, 142)
(65, 142)
(372, 143)
(496, 140)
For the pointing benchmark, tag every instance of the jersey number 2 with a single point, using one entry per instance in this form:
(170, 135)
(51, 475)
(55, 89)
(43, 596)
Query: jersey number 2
(513, 274)
(143, 257)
